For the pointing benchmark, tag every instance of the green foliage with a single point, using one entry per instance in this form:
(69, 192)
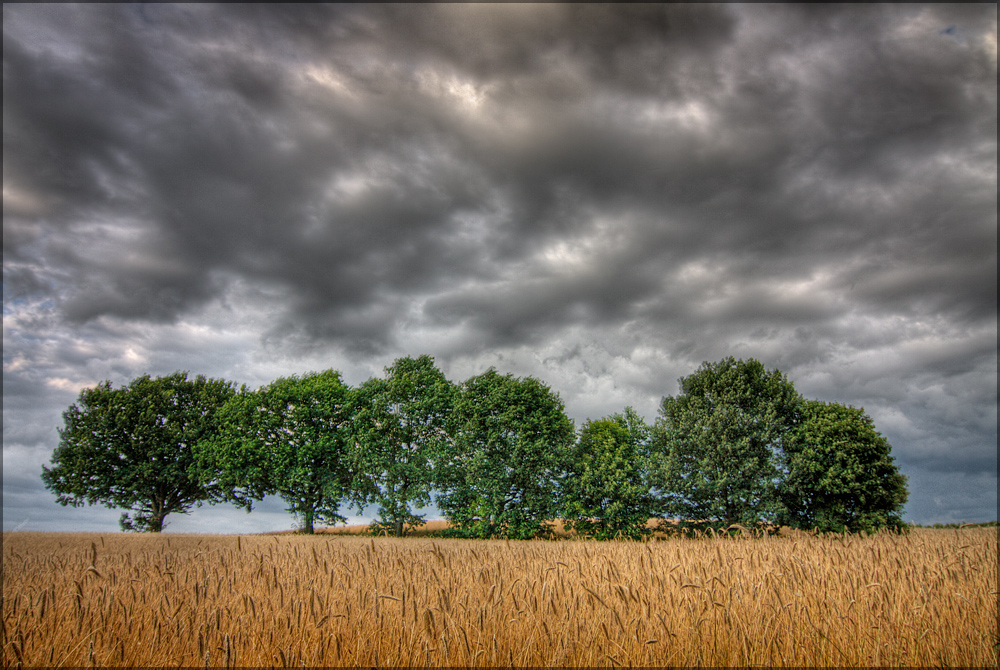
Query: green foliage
(718, 442)
(840, 473)
(291, 438)
(401, 430)
(738, 445)
(133, 447)
(607, 493)
(503, 474)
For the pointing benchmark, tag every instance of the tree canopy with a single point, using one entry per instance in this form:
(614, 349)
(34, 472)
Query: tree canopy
(840, 473)
(134, 447)
(290, 438)
(401, 430)
(508, 458)
(718, 442)
(607, 491)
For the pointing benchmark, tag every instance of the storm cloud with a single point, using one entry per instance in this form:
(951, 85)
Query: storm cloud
(600, 196)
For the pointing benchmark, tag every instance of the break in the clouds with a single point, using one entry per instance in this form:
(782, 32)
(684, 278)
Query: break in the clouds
(600, 196)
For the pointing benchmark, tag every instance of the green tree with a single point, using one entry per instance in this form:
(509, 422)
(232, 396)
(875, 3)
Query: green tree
(290, 438)
(607, 491)
(133, 447)
(718, 443)
(840, 474)
(511, 444)
(401, 430)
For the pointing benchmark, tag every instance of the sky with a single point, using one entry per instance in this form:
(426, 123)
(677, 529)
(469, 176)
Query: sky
(601, 197)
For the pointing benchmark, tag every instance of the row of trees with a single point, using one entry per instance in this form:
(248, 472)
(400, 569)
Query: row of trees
(497, 454)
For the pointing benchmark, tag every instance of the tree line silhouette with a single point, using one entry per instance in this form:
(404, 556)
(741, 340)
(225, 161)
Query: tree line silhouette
(497, 454)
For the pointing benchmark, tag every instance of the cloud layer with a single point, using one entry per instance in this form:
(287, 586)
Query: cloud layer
(602, 197)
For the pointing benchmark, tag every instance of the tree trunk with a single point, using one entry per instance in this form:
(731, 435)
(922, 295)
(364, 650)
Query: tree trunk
(399, 527)
(157, 517)
(307, 522)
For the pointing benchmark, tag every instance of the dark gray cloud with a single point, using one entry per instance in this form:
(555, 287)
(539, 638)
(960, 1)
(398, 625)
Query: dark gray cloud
(603, 197)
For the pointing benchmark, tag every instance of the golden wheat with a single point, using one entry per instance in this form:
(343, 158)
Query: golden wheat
(924, 599)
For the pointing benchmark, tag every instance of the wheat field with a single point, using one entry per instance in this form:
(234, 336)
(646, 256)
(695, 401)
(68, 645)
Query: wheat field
(928, 598)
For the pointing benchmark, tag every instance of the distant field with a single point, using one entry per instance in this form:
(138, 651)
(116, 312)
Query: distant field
(924, 599)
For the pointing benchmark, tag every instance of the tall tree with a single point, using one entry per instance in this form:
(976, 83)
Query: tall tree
(401, 430)
(508, 458)
(840, 474)
(719, 441)
(290, 438)
(133, 447)
(607, 490)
